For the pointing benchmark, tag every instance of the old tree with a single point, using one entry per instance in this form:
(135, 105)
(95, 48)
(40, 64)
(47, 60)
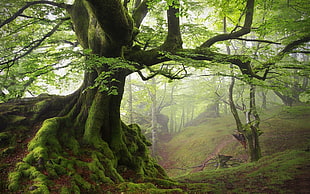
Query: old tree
(80, 142)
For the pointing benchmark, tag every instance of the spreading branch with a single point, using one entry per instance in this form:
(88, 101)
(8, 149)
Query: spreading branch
(166, 72)
(256, 40)
(35, 44)
(148, 77)
(287, 49)
(29, 4)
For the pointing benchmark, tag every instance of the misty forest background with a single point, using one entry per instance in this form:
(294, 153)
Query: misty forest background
(167, 97)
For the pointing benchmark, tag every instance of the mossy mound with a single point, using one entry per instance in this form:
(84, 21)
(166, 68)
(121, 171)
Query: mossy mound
(55, 154)
(52, 156)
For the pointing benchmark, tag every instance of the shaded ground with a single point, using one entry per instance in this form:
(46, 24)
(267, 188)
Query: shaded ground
(281, 172)
(301, 182)
(286, 172)
(284, 129)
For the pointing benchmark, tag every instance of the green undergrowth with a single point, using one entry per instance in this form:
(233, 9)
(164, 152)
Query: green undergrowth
(193, 145)
(268, 175)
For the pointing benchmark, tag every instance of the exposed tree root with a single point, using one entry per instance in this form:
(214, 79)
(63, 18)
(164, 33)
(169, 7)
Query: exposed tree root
(60, 160)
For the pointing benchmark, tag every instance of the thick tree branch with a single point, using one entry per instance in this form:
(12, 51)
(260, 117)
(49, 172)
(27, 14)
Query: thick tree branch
(152, 57)
(287, 49)
(146, 58)
(294, 45)
(114, 20)
(148, 77)
(257, 40)
(140, 12)
(249, 9)
(29, 4)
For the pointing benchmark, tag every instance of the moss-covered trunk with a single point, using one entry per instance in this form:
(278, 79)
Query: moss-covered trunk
(248, 134)
(85, 141)
(252, 136)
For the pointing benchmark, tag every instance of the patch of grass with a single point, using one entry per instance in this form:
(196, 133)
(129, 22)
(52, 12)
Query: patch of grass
(267, 175)
(283, 128)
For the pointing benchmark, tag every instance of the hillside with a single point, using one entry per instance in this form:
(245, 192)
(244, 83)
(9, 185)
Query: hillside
(283, 128)
(286, 137)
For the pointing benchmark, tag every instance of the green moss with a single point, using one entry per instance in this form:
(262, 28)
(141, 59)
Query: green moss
(81, 182)
(105, 167)
(59, 169)
(16, 118)
(104, 148)
(40, 105)
(272, 172)
(94, 121)
(51, 171)
(40, 189)
(163, 182)
(149, 188)
(199, 188)
(166, 191)
(14, 180)
(71, 143)
(75, 189)
(135, 187)
(47, 136)
(64, 190)
(55, 151)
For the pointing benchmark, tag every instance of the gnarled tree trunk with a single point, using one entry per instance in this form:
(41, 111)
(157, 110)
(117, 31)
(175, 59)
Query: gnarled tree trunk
(86, 133)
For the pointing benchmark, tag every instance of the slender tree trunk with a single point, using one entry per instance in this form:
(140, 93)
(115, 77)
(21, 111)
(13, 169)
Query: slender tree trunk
(252, 132)
(154, 118)
(182, 119)
(287, 100)
(264, 99)
(171, 120)
(130, 100)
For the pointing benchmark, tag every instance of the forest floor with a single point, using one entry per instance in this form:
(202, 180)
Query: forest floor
(284, 168)
(285, 146)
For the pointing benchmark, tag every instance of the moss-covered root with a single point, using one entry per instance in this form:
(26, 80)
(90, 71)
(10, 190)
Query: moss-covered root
(147, 188)
(135, 155)
(57, 162)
